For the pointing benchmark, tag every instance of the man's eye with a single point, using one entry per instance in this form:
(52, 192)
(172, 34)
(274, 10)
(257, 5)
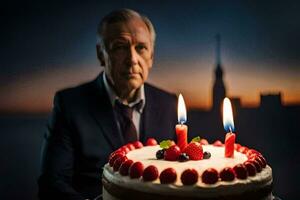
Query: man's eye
(119, 47)
(140, 48)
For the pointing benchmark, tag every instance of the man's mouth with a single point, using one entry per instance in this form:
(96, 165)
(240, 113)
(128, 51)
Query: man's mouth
(132, 75)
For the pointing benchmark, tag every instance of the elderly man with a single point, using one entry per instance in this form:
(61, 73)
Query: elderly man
(90, 121)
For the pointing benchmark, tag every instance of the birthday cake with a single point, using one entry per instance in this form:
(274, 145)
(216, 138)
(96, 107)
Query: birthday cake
(200, 171)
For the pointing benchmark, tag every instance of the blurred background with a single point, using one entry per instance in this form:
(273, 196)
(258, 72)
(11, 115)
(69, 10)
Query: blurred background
(206, 50)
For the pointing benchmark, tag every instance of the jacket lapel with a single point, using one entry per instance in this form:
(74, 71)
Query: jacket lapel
(102, 111)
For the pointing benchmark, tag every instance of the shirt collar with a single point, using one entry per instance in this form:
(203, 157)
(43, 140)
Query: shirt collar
(113, 96)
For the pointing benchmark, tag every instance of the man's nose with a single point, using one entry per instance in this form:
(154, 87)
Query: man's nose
(132, 57)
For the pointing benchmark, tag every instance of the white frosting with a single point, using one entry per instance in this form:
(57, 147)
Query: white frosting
(147, 155)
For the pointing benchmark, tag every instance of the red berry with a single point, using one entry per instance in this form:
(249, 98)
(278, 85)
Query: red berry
(252, 157)
(115, 152)
(150, 173)
(237, 146)
(125, 149)
(136, 170)
(243, 149)
(227, 174)
(257, 165)
(218, 143)
(118, 162)
(189, 177)
(263, 160)
(259, 161)
(250, 168)
(240, 171)
(130, 146)
(115, 157)
(210, 176)
(168, 176)
(137, 144)
(203, 142)
(124, 168)
(151, 142)
(252, 152)
(194, 150)
(172, 153)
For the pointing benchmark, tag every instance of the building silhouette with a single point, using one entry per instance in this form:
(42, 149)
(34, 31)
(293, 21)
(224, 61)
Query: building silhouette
(272, 128)
(219, 91)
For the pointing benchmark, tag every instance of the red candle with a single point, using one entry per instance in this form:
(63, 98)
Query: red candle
(229, 127)
(181, 128)
(229, 145)
(181, 132)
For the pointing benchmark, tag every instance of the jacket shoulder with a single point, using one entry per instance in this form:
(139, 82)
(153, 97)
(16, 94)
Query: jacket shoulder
(159, 93)
(76, 92)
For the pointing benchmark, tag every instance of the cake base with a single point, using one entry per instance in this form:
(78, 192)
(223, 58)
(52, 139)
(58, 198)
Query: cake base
(112, 191)
(118, 187)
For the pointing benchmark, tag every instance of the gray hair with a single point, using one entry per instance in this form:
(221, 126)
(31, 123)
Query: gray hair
(123, 15)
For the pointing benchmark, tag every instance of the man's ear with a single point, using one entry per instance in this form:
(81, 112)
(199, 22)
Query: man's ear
(100, 55)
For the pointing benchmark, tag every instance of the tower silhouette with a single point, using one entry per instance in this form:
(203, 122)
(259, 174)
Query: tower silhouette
(219, 91)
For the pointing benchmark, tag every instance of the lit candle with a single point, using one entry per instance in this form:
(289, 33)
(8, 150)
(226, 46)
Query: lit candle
(229, 128)
(181, 128)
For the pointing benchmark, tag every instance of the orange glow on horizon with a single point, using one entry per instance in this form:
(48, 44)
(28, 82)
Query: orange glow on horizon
(34, 93)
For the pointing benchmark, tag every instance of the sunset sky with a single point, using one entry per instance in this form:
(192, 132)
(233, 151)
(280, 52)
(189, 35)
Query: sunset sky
(47, 46)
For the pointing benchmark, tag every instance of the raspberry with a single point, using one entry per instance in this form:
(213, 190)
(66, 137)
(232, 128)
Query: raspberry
(243, 149)
(263, 160)
(194, 150)
(115, 157)
(210, 176)
(240, 171)
(124, 168)
(168, 176)
(218, 143)
(257, 165)
(137, 144)
(204, 141)
(227, 174)
(237, 146)
(115, 152)
(172, 153)
(250, 168)
(125, 149)
(189, 177)
(259, 159)
(150, 173)
(151, 142)
(130, 146)
(252, 152)
(136, 170)
(118, 162)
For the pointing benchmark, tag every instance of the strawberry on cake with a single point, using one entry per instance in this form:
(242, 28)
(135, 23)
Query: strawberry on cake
(199, 171)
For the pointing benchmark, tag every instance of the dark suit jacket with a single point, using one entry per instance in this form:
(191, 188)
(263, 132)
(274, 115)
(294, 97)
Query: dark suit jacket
(82, 132)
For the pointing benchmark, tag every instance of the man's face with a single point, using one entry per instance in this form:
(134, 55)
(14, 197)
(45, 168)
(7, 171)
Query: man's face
(129, 54)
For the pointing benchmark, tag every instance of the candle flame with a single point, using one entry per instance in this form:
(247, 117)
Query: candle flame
(227, 116)
(181, 114)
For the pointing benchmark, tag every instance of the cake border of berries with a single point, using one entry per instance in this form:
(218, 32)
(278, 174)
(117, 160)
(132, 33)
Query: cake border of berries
(260, 179)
